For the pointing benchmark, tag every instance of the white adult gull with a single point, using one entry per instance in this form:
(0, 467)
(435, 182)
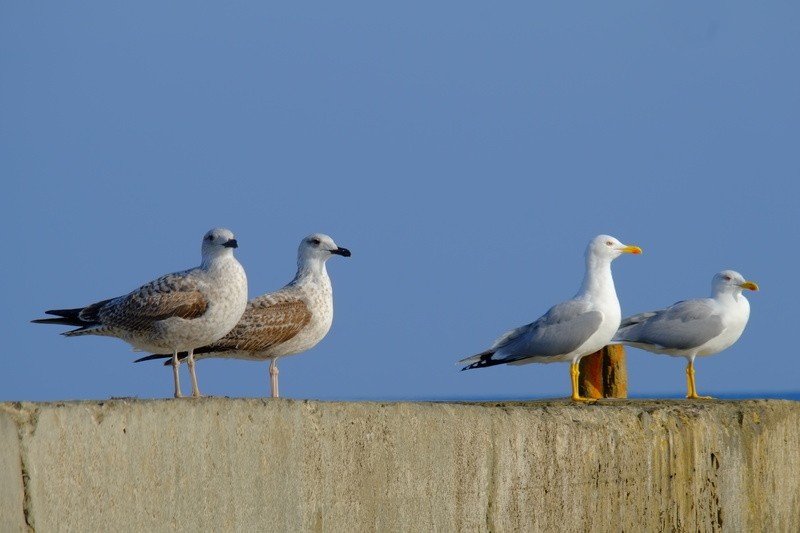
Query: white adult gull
(175, 313)
(693, 328)
(286, 322)
(569, 330)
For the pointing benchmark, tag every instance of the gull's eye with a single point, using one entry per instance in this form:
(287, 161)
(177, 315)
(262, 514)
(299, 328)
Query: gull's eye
(609, 243)
(315, 241)
(726, 278)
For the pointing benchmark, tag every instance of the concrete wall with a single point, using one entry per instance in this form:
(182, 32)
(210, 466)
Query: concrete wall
(217, 464)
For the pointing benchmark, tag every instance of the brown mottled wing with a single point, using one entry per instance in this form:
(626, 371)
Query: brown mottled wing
(265, 323)
(169, 296)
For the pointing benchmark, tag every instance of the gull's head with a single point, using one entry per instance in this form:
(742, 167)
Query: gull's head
(218, 241)
(320, 247)
(730, 281)
(609, 248)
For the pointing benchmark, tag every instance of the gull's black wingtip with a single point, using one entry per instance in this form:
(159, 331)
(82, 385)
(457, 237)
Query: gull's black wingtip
(152, 357)
(64, 317)
(485, 359)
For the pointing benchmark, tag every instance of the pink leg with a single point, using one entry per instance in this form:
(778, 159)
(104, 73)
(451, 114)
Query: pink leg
(273, 376)
(176, 366)
(190, 362)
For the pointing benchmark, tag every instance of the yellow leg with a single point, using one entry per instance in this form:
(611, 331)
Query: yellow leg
(690, 384)
(574, 372)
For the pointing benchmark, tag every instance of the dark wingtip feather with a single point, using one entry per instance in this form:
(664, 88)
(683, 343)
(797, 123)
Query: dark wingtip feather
(485, 360)
(152, 357)
(66, 317)
(63, 321)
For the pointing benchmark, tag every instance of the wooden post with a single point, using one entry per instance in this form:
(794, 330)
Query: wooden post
(603, 374)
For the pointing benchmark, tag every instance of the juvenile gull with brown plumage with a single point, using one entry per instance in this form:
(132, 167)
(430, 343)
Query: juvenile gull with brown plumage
(175, 313)
(569, 330)
(286, 322)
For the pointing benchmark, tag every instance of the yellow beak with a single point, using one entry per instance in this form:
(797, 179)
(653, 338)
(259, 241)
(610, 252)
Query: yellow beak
(749, 285)
(631, 250)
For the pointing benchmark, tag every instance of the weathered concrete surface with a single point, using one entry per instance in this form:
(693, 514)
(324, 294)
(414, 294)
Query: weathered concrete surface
(217, 464)
(11, 486)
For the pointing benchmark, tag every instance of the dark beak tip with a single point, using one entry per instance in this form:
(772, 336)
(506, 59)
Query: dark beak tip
(343, 252)
(233, 243)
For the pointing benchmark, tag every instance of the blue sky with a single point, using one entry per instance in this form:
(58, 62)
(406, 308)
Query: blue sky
(465, 152)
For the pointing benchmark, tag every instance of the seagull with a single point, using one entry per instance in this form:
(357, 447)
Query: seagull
(692, 328)
(286, 322)
(175, 313)
(569, 330)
